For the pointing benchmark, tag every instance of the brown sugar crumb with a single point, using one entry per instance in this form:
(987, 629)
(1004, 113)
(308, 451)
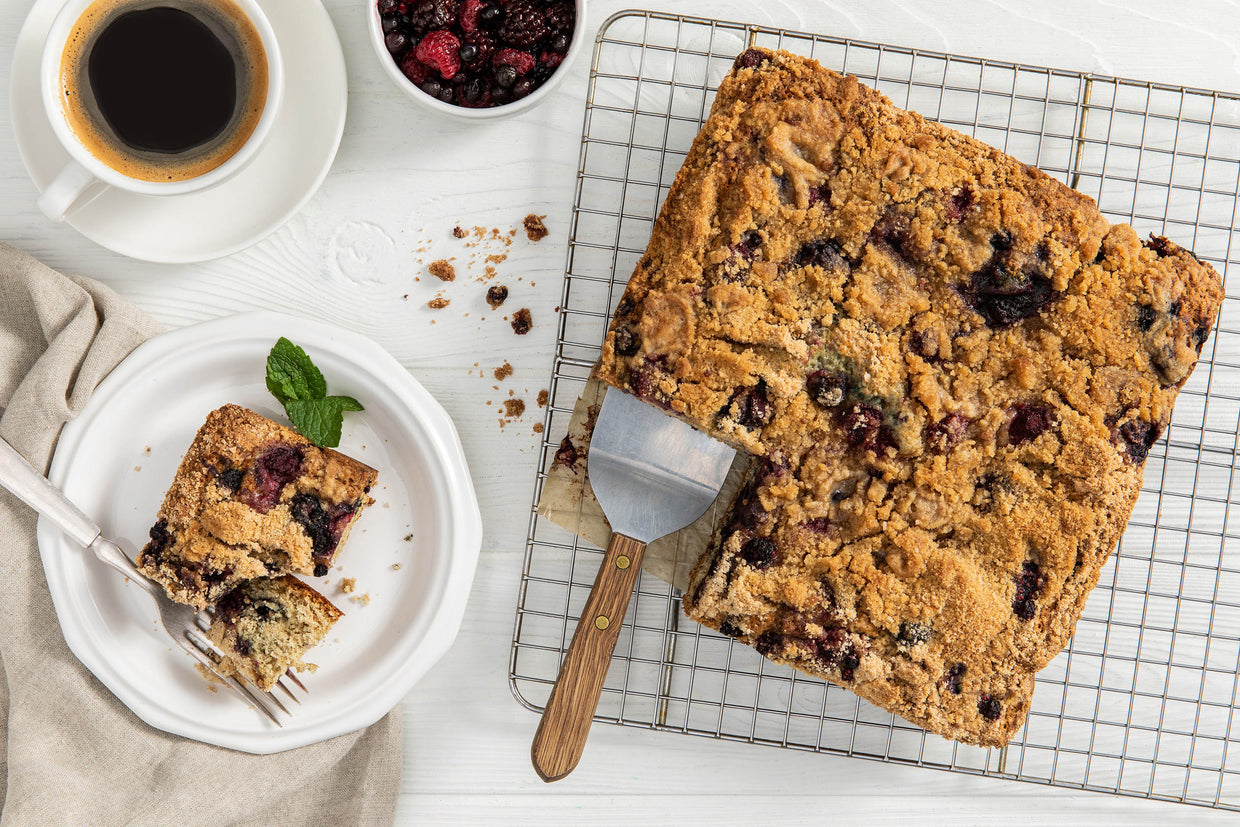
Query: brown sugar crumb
(538, 427)
(442, 269)
(543, 396)
(459, 232)
(348, 584)
(364, 599)
(535, 229)
(503, 372)
(521, 322)
(514, 408)
(438, 303)
(496, 295)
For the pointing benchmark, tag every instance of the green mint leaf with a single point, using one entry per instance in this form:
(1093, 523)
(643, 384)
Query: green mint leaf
(318, 420)
(291, 375)
(347, 403)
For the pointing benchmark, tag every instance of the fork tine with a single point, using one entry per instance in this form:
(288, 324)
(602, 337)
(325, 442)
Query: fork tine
(291, 675)
(280, 683)
(259, 697)
(229, 681)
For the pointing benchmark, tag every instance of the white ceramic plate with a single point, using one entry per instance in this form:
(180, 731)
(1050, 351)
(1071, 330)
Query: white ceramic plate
(155, 401)
(243, 210)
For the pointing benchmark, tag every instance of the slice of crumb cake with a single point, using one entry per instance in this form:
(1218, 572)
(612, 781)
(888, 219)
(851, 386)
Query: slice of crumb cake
(252, 499)
(264, 627)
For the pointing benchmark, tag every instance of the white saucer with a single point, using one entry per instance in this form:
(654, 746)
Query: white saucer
(413, 552)
(237, 213)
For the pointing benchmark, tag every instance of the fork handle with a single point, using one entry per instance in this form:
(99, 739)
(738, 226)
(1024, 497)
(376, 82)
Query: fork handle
(565, 724)
(32, 488)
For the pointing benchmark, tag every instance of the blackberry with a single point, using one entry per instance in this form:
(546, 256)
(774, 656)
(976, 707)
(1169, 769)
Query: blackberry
(759, 552)
(560, 18)
(421, 17)
(524, 24)
(444, 13)
(483, 48)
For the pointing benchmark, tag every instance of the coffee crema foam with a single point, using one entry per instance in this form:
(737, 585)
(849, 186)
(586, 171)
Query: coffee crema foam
(238, 35)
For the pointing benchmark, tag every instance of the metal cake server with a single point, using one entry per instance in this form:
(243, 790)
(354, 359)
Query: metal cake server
(652, 475)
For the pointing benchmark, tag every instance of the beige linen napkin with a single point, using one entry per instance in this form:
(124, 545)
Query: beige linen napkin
(70, 752)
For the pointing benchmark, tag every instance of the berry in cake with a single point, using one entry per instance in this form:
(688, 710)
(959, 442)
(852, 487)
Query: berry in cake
(251, 499)
(477, 53)
(950, 367)
(264, 627)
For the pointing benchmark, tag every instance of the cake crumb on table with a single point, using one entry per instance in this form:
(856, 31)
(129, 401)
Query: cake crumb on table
(521, 321)
(363, 599)
(442, 269)
(535, 229)
(514, 407)
(438, 303)
(459, 232)
(348, 584)
(497, 295)
(538, 427)
(396, 567)
(503, 371)
(543, 396)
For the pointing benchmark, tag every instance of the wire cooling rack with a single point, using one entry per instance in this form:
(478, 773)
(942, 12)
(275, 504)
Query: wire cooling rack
(1144, 700)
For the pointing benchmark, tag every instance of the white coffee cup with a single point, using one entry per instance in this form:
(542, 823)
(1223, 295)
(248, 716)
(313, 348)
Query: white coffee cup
(86, 175)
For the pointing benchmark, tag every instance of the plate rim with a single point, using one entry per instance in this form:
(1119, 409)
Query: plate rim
(464, 534)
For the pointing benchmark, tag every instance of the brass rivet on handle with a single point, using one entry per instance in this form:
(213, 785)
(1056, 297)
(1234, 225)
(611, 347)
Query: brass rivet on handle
(622, 562)
(602, 622)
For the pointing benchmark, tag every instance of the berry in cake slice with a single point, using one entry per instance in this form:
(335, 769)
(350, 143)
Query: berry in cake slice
(264, 627)
(252, 498)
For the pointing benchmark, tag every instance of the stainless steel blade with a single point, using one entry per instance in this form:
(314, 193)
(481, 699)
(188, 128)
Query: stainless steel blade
(652, 474)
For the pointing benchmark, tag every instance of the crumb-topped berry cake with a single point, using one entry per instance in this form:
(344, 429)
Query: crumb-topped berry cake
(265, 626)
(950, 366)
(251, 498)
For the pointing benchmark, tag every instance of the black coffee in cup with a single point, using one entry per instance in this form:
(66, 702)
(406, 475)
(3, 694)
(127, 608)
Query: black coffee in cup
(163, 90)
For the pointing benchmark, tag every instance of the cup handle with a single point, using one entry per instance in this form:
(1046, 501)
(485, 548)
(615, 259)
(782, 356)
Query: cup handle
(71, 188)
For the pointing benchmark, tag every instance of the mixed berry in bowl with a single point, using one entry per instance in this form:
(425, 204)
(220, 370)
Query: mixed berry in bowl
(477, 54)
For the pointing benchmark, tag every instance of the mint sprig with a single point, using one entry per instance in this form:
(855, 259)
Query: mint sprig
(297, 382)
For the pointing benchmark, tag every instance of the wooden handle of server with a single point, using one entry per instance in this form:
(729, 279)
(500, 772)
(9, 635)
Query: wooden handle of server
(565, 723)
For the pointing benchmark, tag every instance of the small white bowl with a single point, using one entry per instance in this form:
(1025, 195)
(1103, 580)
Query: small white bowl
(504, 110)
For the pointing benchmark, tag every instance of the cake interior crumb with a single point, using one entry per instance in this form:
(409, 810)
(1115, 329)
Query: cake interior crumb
(535, 229)
(348, 584)
(442, 269)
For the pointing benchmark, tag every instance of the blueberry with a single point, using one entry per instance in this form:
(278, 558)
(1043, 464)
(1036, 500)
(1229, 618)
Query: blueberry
(390, 22)
(567, 454)
(730, 629)
(308, 512)
(1146, 316)
(818, 525)
(473, 89)
(387, 6)
(959, 203)
(769, 643)
(468, 53)
(912, 634)
(947, 433)
(1003, 296)
(445, 94)
(750, 58)
(559, 43)
(432, 87)
(750, 407)
(627, 341)
(161, 538)
(505, 75)
(826, 388)
(231, 478)
(1028, 586)
(989, 708)
(490, 13)
(953, 676)
(320, 570)
(1002, 240)
(759, 552)
(1028, 423)
(523, 87)
(864, 428)
(825, 253)
(1138, 437)
(395, 42)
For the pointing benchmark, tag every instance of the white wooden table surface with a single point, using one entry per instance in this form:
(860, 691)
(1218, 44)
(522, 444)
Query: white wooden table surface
(401, 181)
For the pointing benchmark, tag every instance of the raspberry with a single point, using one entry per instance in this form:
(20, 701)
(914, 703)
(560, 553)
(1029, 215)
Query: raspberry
(469, 15)
(551, 59)
(522, 62)
(441, 50)
(523, 24)
(413, 68)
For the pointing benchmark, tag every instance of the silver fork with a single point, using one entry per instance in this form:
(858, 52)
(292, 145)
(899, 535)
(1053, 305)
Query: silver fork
(183, 623)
